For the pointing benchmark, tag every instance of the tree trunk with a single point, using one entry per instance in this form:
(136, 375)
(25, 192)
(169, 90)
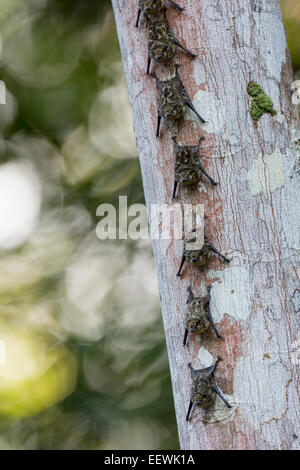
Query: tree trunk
(251, 216)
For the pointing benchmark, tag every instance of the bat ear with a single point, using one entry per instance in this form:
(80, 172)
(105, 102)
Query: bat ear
(193, 371)
(153, 75)
(208, 370)
(208, 290)
(175, 141)
(219, 359)
(191, 295)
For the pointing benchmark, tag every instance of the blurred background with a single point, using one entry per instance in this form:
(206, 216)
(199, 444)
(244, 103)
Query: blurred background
(83, 363)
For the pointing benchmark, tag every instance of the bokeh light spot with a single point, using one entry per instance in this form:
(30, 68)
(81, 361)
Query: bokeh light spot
(20, 200)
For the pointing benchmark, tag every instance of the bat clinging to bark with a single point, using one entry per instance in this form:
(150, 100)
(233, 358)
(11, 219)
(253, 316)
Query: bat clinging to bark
(173, 100)
(153, 7)
(204, 388)
(162, 43)
(199, 257)
(198, 316)
(188, 168)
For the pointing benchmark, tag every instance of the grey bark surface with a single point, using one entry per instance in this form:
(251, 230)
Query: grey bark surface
(252, 215)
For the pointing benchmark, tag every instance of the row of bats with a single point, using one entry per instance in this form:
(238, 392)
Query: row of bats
(173, 100)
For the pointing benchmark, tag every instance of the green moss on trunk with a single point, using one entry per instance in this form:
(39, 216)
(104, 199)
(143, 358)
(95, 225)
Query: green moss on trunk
(261, 102)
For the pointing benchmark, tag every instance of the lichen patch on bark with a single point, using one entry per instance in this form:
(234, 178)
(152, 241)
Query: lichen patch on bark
(232, 295)
(212, 110)
(205, 357)
(221, 413)
(266, 173)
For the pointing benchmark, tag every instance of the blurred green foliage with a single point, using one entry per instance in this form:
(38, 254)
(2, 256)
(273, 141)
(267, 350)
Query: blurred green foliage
(67, 118)
(71, 305)
(291, 16)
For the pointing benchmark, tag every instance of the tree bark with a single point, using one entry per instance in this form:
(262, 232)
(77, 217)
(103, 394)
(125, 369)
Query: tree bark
(251, 216)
